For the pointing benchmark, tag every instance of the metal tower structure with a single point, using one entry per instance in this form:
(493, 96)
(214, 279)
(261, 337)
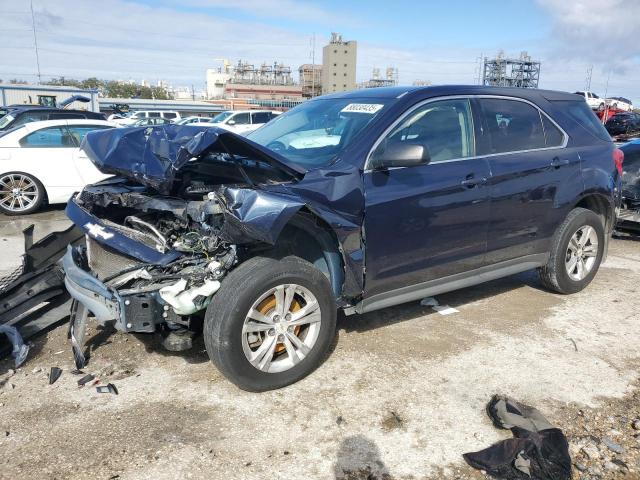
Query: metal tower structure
(511, 72)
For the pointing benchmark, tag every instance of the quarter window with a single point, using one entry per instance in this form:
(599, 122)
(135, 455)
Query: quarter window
(78, 132)
(512, 125)
(444, 128)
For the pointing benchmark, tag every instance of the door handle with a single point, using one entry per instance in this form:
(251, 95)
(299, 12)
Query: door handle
(558, 162)
(471, 182)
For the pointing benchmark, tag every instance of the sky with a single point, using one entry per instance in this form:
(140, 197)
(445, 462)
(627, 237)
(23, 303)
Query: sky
(429, 40)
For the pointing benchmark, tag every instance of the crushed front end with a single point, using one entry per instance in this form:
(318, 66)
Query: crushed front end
(148, 261)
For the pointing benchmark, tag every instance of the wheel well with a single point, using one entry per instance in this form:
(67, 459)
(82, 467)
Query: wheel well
(600, 206)
(309, 237)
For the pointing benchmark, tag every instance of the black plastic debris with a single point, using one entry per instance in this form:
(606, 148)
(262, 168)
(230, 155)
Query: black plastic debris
(86, 379)
(538, 451)
(54, 375)
(109, 388)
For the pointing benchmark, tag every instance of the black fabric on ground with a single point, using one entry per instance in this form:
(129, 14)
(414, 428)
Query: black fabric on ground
(538, 450)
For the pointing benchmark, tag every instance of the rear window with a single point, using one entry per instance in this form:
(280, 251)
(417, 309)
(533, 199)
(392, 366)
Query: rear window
(66, 116)
(581, 113)
(513, 125)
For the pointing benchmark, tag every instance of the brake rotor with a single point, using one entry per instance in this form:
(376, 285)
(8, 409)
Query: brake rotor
(268, 305)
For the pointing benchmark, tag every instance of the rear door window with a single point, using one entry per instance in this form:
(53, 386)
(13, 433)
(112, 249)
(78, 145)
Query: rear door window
(553, 135)
(52, 137)
(169, 115)
(153, 114)
(512, 126)
(241, 118)
(261, 117)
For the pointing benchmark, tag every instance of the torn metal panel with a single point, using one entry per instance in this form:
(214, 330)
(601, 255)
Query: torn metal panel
(152, 155)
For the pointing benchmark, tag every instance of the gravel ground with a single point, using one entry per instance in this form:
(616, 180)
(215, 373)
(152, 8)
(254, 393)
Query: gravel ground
(401, 396)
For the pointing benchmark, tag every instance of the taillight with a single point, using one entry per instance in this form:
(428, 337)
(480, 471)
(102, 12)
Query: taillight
(618, 159)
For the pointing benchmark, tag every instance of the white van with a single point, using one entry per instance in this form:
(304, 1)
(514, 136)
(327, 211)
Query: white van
(242, 121)
(142, 114)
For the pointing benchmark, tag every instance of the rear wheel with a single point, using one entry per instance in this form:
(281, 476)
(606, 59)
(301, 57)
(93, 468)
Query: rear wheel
(576, 252)
(20, 193)
(271, 323)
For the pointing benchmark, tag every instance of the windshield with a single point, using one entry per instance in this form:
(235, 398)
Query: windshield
(221, 117)
(6, 120)
(313, 133)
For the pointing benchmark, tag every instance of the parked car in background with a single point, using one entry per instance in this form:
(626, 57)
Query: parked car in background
(629, 215)
(194, 120)
(243, 121)
(261, 239)
(623, 123)
(145, 122)
(21, 115)
(143, 114)
(619, 103)
(593, 100)
(41, 162)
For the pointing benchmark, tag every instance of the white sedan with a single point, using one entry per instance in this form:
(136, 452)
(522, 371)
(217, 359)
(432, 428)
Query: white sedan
(41, 162)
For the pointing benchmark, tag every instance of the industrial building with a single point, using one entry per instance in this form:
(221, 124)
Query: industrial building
(339, 65)
(46, 95)
(390, 79)
(310, 80)
(244, 80)
(511, 72)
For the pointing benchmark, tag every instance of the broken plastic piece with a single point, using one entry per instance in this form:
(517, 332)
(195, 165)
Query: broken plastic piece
(86, 379)
(429, 302)
(445, 309)
(109, 388)
(77, 328)
(54, 375)
(20, 349)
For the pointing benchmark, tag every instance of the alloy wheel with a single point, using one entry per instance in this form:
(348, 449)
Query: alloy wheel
(18, 192)
(281, 328)
(582, 252)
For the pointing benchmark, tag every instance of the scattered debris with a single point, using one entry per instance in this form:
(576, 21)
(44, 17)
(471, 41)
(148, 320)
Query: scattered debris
(109, 388)
(441, 309)
(611, 445)
(54, 375)
(393, 421)
(86, 379)
(20, 349)
(574, 344)
(538, 449)
(33, 296)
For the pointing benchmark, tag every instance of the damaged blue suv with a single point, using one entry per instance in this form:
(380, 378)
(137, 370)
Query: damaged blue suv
(355, 201)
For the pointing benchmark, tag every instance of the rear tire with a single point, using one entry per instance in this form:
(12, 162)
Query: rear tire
(234, 338)
(577, 249)
(20, 193)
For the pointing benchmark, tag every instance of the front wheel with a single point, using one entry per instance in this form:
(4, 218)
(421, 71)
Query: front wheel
(271, 323)
(576, 252)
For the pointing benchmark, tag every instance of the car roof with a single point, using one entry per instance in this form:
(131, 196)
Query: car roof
(433, 91)
(33, 126)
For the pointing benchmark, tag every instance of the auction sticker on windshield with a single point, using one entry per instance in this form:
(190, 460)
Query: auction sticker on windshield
(369, 108)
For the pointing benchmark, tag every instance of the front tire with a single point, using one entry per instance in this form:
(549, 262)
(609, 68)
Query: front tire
(271, 323)
(576, 252)
(20, 193)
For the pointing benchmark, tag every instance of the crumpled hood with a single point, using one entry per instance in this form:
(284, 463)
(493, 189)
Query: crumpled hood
(152, 155)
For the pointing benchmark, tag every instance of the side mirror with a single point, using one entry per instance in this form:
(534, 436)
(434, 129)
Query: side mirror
(231, 122)
(399, 154)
